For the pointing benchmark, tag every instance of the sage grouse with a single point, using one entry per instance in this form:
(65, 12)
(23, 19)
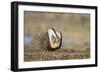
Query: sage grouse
(50, 40)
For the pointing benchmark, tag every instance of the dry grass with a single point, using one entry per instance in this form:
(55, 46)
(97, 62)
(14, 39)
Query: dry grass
(64, 53)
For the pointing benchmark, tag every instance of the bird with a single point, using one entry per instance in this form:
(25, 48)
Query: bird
(50, 40)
